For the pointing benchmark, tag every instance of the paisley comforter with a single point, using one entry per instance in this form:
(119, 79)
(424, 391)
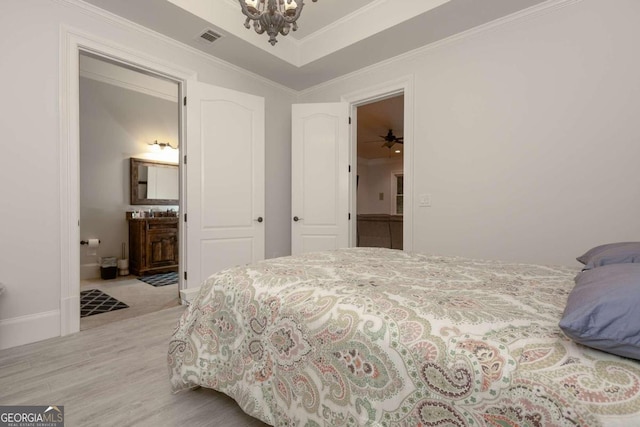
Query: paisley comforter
(375, 337)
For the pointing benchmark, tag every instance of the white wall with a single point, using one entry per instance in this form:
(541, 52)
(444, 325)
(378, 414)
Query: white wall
(526, 135)
(115, 125)
(30, 259)
(375, 176)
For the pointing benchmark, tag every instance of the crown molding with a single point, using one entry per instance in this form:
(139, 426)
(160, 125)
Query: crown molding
(531, 12)
(126, 85)
(112, 18)
(329, 28)
(113, 75)
(357, 26)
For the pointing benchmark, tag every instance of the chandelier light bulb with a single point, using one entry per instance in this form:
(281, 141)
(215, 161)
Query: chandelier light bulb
(252, 4)
(291, 4)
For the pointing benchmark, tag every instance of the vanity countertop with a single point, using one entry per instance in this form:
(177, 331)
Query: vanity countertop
(156, 215)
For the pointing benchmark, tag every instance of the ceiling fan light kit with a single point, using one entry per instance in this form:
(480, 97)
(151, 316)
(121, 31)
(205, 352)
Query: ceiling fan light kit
(272, 16)
(390, 139)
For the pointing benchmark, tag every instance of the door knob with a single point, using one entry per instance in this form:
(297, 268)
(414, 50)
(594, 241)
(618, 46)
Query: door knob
(296, 219)
(259, 219)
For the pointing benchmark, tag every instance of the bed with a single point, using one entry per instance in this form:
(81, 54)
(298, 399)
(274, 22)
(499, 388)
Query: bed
(379, 337)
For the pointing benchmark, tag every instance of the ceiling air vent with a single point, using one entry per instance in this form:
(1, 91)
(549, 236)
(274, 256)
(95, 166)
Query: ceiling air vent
(209, 36)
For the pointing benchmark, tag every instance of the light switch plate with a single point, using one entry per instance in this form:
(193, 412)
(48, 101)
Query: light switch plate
(424, 200)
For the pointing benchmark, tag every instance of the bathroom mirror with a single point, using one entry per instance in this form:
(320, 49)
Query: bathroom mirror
(154, 182)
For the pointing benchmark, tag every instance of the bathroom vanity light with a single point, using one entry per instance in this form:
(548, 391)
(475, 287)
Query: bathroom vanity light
(163, 145)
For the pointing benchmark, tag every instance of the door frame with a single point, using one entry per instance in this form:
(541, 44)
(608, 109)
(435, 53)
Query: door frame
(401, 86)
(72, 43)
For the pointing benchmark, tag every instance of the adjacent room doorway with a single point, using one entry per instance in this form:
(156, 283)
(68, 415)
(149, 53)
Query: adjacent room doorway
(380, 173)
(129, 131)
(324, 169)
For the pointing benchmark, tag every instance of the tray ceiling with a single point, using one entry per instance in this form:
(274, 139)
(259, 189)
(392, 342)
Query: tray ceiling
(335, 37)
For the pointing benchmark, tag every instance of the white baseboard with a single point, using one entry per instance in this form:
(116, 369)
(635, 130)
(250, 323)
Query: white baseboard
(187, 295)
(27, 329)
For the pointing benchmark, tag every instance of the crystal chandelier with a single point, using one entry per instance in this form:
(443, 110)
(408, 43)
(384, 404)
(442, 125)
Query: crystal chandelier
(272, 16)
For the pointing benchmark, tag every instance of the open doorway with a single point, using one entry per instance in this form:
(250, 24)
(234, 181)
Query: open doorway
(129, 131)
(380, 173)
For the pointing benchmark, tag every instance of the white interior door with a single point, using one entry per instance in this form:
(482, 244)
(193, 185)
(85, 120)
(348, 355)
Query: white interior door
(225, 180)
(320, 177)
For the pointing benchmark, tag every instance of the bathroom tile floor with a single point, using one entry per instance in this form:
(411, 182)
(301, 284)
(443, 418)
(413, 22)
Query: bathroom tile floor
(139, 296)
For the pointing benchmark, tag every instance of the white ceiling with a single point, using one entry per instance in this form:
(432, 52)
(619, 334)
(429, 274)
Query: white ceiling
(335, 37)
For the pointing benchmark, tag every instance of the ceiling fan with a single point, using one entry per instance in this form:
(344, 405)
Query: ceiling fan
(390, 139)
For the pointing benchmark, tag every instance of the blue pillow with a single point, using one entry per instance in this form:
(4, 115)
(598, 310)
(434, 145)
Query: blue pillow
(612, 253)
(603, 309)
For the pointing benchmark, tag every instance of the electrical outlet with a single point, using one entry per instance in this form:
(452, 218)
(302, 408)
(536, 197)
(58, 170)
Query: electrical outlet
(424, 200)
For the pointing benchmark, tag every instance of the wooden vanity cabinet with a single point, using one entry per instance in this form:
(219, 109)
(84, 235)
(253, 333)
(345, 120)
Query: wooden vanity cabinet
(153, 245)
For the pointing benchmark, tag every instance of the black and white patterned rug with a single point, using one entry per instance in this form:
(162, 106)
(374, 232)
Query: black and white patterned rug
(94, 301)
(162, 279)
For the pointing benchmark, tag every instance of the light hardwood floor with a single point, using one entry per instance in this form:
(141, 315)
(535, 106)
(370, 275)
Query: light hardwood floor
(113, 375)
